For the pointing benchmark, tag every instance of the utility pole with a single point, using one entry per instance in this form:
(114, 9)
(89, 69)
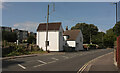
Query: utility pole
(90, 38)
(47, 28)
(102, 39)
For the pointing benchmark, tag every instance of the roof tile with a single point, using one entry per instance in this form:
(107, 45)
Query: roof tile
(51, 26)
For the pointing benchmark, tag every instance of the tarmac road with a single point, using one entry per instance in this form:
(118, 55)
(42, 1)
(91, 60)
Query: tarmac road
(54, 62)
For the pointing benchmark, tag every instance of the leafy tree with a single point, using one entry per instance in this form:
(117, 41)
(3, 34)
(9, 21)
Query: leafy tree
(31, 39)
(109, 38)
(9, 36)
(98, 39)
(87, 30)
(116, 28)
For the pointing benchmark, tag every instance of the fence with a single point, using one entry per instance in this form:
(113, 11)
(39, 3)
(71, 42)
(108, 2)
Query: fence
(118, 52)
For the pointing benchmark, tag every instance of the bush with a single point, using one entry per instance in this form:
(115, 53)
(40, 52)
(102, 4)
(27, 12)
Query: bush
(11, 49)
(31, 39)
(92, 46)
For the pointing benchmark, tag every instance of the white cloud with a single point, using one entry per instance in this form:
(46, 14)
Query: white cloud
(29, 26)
(1, 4)
(101, 30)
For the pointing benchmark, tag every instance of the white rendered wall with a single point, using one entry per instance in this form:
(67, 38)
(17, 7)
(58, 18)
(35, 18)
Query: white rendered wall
(37, 38)
(61, 41)
(53, 38)
(79, 40)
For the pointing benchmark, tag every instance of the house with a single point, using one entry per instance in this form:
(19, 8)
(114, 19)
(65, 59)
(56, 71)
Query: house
(55, 36)
(74, 39)
(9, 29)
(22, 35)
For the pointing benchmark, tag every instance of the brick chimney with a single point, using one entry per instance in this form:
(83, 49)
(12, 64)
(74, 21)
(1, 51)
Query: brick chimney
(66, 27)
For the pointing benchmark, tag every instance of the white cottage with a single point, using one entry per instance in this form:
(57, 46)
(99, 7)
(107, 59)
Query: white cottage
(74, 39)
(55, 36)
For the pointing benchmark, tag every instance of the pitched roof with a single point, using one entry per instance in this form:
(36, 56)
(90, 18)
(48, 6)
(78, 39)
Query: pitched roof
(51, 26)
(72, 34)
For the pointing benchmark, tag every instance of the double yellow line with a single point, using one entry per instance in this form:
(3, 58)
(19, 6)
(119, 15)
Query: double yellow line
(82, 68)
(85, 65)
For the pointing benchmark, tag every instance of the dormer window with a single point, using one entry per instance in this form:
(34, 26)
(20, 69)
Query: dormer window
(67, 36)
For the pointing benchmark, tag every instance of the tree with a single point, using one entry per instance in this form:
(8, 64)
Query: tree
(109, 38)
(9, 36)
(87, 30)
(116, 28)
(98, 39)
(31, 39)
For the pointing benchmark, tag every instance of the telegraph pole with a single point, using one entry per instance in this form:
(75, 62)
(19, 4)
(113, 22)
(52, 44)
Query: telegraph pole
(102, 39)
(90, 38)
(47, 28)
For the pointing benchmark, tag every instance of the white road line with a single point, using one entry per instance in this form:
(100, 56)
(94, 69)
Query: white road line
(21, 66)
(55, 59)
(51, 62)
(42, 61)
(38, 65)
(44, 64)
(65, 57)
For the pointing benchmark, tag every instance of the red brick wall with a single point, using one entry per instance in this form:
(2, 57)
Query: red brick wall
(118, 51)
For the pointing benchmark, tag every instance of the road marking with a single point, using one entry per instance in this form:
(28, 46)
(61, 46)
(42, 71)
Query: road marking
(85, 65)
(42, 61)
(51, 62)
(82, 68)
(44, 64)
(21, 66)
(55, 59)
(65, 57)
(39, 65)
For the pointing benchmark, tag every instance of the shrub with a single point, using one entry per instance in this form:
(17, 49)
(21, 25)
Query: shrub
(92, 46)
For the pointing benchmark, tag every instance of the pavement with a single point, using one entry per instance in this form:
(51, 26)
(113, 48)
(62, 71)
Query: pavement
(30, 55)
(102, 64)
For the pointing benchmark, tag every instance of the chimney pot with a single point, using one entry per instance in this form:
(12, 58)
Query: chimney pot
(66, 27)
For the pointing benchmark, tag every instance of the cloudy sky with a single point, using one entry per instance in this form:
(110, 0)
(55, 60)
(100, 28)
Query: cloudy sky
(27, 15)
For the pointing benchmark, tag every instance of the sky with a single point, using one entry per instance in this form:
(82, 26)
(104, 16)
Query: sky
(28, 15)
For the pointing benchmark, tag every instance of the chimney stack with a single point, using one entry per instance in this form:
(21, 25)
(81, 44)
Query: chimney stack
(66, 27)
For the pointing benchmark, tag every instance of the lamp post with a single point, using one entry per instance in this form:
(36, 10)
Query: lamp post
(116, 12)
(115, 50)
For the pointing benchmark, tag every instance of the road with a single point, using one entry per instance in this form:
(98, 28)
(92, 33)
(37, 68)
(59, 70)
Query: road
(71, 61)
